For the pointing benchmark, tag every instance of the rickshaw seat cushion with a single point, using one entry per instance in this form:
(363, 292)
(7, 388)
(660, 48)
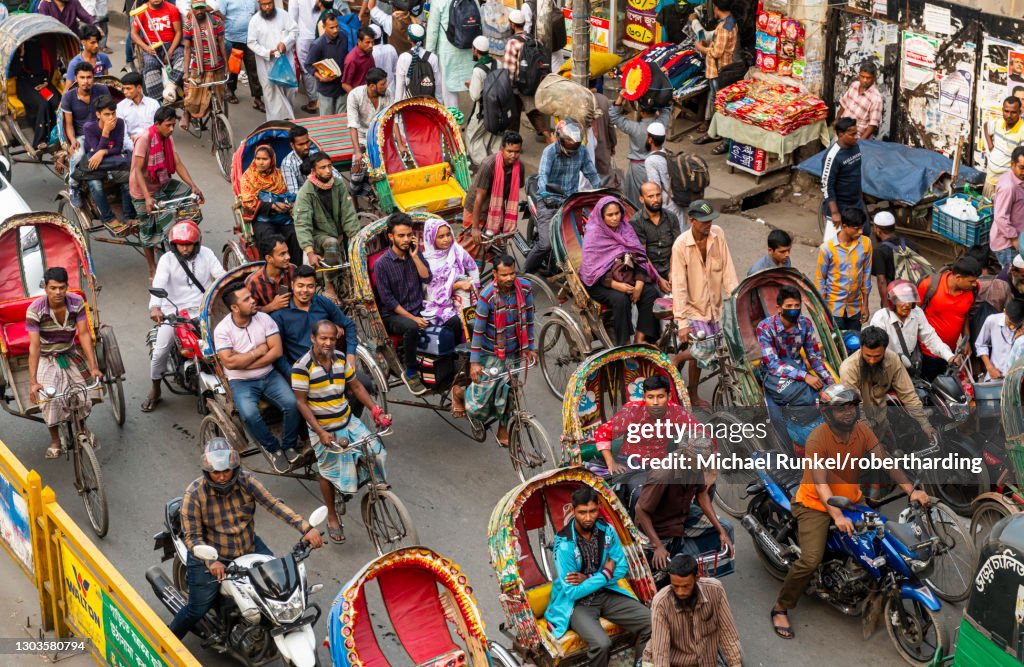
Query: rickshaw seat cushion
(539, 598)
(14, 105)
(432, 188)
(12, 323)
(571, 643)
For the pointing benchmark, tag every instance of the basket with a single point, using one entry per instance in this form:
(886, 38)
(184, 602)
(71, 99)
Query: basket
(964, 232)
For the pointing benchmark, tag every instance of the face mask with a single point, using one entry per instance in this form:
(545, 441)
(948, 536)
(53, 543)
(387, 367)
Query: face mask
(657, 411)
(791, 314)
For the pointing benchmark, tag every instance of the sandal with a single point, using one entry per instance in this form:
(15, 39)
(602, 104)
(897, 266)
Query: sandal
(458, 413)
(150, 403)
(500, 443)
(781, 630)
(705, 139)
(336, 534)
(258, 105)
(54, 452)
(231, 98)
(720, 149)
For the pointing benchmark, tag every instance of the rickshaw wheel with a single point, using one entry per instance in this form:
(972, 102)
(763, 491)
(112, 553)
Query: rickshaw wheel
(92, 492)
(985, 515)
(478, 430)
(529, 448)
(960, 488)
(223, 144)
(366, 364)
(912, 642)
(953, 565)
(725, 396)
(78, 215)
(180, 574)
(232, 256)
(544, 297)
(388, 522)
(502, 656)
(561, 350)
(115, 392)
(730, 492)
(113, 371)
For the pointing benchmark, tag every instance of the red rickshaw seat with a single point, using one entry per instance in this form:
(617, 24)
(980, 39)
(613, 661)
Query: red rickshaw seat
(416, 614)
(13, 334)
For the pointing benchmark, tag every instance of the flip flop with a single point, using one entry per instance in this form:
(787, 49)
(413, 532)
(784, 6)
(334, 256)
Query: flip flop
(53, 452)
(781, 630)
(336, 535)
(720, 149)
(150, 404)
(705, 139)
(459, 413)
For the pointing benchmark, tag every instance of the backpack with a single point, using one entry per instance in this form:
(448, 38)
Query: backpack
(497, 100)
(688, 175)
(534, 65)
(348, 25)
(421, 79)
(463, 23)
(910, 265)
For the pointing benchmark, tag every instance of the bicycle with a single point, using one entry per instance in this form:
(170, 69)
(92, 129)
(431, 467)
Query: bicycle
(223, 144)
(76, 442)
(386, 519)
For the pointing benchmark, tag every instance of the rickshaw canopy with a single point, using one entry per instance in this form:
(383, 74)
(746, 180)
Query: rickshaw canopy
(32, 242)
(570, 222)
(20, 28)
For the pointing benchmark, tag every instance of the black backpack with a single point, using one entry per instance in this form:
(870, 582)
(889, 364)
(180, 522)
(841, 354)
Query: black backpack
(534, 65)
(498, 99)
(463, 23)
(421, 80)
(688, 174)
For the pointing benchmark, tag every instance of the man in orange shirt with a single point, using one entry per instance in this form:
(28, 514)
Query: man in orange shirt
(842, 435)
(946, 300)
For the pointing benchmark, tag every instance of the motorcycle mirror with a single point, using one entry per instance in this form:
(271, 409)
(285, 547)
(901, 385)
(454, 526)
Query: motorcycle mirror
(158, 293)
(842, 502)
(204, 552)
(318, 516)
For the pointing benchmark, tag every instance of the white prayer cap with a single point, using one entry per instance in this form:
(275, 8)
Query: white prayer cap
(516, 16)
(656, 130)
(481, 44)
(884, 219)
(416, 32)
(377, 34)
(1018, 262)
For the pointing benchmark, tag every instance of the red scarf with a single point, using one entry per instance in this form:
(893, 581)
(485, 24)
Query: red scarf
(502, 212)
(160, 164)
(501, 320)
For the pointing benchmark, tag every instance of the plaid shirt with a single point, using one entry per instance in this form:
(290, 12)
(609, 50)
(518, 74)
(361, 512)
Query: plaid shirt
(226, 521)
(263, 289)
(513, 49)
(844, 276)
(780, 349)
(864, 107)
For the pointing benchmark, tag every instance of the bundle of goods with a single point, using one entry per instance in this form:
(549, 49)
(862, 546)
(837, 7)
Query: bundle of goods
(661, 72)
(780, 45)
(773, 107)
(562, 98)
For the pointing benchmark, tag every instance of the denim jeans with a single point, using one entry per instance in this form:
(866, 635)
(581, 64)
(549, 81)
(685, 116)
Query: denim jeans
(1005, 256)
(851, 323)
(99, 197)
(330, 106)
(203, 589)
(273, 388)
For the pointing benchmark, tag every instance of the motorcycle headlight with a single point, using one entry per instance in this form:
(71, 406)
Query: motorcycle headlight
(289, 611)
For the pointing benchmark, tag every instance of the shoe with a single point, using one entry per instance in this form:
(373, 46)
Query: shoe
(415, 384)
(279, 461)
(107, 50)
(259, 105)
(310, 107)
(75, 197)
(292, 454)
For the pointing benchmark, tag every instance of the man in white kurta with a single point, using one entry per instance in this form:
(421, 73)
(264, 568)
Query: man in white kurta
(272, 34)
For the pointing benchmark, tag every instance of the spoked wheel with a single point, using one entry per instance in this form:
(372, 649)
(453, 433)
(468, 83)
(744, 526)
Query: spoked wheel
(561, 350)
(986, 515)
(954, 557)
(529, 448)
(914, 629)
(209, 429)
(543, 296)
(501, 656)
(223, 144)
(772, 517)
(725, 394)
(90, 480)
(478, 430)
(232, 256)
(115, 395)
(959, 488)
(731, 488)
(388, 522)
(367, 367)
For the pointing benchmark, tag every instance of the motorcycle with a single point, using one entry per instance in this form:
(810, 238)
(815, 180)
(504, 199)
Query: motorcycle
(879, 572)
(263, 612)
(187, 371)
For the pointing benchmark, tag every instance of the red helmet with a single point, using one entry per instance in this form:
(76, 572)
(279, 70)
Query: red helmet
(185, 231)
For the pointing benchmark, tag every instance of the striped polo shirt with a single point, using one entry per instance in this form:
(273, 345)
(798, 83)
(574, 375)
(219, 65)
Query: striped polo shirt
(55, 337)
(844, 276)
(325, 388)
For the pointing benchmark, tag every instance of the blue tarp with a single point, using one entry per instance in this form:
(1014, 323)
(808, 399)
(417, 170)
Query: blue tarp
(894, 172)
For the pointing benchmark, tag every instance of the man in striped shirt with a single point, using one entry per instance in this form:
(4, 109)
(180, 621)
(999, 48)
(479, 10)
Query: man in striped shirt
(1001, 139)
(320, 379)
(844, 272)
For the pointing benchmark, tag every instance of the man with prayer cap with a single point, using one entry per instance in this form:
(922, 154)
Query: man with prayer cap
(636, 175)
(656, 169)
(272, 35)
(480, 144)
(403, 68)
(384, 56)
(513, 49)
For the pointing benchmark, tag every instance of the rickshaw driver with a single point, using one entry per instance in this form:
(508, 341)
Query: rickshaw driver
(842, 436)
(54, 359)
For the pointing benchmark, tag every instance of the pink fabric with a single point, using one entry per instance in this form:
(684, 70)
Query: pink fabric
(602, 245)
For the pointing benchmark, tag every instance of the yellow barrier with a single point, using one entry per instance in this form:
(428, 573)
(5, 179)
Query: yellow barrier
(80, 592)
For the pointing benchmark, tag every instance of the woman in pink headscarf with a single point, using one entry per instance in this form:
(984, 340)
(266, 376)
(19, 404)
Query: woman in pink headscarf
(617, 273)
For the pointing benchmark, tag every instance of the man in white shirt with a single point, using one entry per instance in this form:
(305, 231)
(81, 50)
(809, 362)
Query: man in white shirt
(995, 340)
(136, 110)
(304, 13)
(384, 57)
(272, 35)
(906, 323)
(656, 167)
(362, 105)
(402, 86)
(183, 294)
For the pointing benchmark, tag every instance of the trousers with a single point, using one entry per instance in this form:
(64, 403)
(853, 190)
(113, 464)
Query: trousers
(275, 389)
(263, 229)
(249, 60)
(622, 311)
(812, 531)
(542, 246)
(629, 614)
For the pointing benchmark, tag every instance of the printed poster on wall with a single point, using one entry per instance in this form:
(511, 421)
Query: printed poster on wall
(994, 85)
(641, 24)
(918, 59)
(955, 93)
(600, 32)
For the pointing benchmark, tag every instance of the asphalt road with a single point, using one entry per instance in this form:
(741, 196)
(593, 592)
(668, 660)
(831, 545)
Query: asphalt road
(449, 483)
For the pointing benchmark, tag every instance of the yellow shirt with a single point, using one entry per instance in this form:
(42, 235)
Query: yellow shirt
(698, 283)
(1004, 140)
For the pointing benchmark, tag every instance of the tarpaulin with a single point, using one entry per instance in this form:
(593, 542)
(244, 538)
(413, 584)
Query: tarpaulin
(894, 172)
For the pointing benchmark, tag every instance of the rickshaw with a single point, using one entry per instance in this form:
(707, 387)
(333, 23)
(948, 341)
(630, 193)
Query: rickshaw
(58, 44)
(520, 536)
(529, 447)
(29, 243)
(423, 596)
(571, 328)
(418, 159)
(990, 634)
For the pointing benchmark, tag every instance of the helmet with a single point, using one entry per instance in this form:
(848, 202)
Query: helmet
(219, 456)
(569, 132)
(186, 231)
(901, 291)
(836, 396)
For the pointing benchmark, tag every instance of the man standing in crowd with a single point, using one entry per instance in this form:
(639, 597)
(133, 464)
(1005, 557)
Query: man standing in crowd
(291, 165)
(304, 14)
(1013, 277)
(780, 244)
(691, 622)
(1001, 139)
(135, 109)
(68, 12)
(237, 14)
(479, 142)
(157, 31)
(946, 299)
(639, 146)
(863, 102)
(333, 45)
(1008, 221)
(325, 219)
(604, 135)
(843, 273)
(513, 49)
(995, 340)
(395, 25)
(359, 61)
(883, 257)
(101, 64)
(456, 63)
(405, 69)
(272, 35)
(384, 56)
(492, 203)
(656, 167)
(657, 228)
(840, 174)
(206, 59)
(99, 11)
(719, 54)
(702, 271)
(361, 105)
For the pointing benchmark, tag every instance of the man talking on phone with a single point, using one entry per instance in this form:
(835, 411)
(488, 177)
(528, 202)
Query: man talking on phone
(271, 286)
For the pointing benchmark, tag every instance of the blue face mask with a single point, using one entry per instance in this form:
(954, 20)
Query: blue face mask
(791, 314)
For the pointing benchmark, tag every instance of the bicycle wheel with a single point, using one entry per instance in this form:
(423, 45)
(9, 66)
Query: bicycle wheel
(731, 488)
(223, 144)
(529, 448)
(986, 515)
(544, 297)
(388, 522)
(955, 555)
(90, 487)
(115, 394)
(561, 352)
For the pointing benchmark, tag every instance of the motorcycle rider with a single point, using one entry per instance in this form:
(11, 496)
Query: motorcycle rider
(185, 272)
(906, 324)
(218, 510)
(841, 437)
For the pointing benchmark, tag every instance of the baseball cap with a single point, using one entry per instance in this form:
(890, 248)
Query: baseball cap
(656, 130)
(702, 211)
(516, 16)
(884, 219)
(481, 44)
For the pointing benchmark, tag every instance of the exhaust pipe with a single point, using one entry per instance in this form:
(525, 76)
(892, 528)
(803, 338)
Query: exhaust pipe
(766, 543)
(175, 601)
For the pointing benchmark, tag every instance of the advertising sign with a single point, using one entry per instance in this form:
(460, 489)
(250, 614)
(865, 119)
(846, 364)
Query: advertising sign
(600, 32)
(14, 524)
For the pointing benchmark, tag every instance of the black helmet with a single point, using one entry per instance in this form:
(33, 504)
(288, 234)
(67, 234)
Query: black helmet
(219, 456)
(836, 396)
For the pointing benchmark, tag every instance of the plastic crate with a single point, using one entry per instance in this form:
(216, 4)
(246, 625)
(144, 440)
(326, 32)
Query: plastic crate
(964, 232)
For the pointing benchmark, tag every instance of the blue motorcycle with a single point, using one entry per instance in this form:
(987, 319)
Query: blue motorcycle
(879, 572)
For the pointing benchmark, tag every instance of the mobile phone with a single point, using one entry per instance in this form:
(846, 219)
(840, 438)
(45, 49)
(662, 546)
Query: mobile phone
(283, 290)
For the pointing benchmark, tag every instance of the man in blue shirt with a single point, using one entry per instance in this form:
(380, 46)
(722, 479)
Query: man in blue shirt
(840, 173)
(561, 164)
(236, 33)
(334, 45)
(101, 64)
(780, 244)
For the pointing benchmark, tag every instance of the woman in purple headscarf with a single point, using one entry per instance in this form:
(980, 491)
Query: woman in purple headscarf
(617, 273)
(454, 274)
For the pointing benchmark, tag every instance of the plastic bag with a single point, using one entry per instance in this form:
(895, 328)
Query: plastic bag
(282, 73)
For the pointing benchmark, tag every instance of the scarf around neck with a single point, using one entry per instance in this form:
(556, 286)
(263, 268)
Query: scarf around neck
(254, 182)
(502, 207)
(447, 267)
(320, 184)
(160, 163)
(502, 318)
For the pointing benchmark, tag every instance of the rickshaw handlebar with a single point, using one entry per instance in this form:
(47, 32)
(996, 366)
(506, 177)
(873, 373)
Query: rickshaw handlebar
(180, 202)
(44, 398)
(358, 444)
(493, 373)
(207, 85)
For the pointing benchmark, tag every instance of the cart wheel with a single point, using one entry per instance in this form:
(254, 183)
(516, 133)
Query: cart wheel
(366, 364)
(209, 429)
(9, 175)
(725, 395)
(388, 522)
(223, 144)
(953, 561)
(529, 448)
(90, 481)
(115, 393)
(478, 429)
(958, 489)
(232, 256)
(544, 297)
(985, 515)
(731, 489)
(561, 350)
(75, 214)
